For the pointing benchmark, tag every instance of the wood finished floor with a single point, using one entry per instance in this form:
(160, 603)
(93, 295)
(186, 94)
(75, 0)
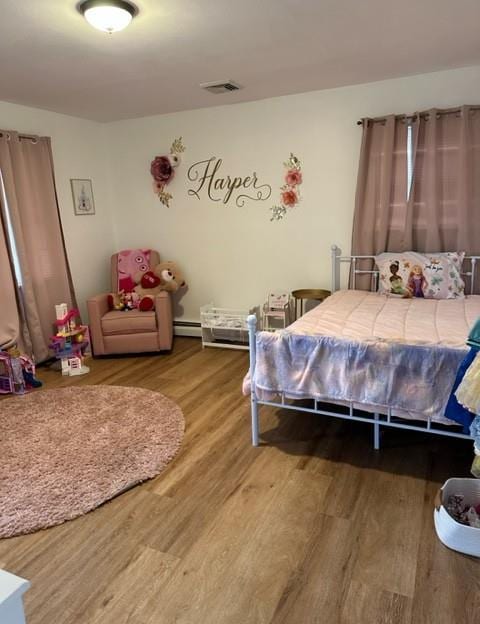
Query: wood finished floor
(313, 527)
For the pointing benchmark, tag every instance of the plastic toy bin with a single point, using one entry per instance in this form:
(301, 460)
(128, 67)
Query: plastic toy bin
(460, 537)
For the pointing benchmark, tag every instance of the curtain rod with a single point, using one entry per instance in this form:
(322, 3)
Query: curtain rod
(439, 111)
(30, 137)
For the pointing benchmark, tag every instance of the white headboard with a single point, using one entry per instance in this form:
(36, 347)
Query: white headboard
(468, 273)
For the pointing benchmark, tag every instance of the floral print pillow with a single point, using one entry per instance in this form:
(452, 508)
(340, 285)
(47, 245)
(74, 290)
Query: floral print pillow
(443, 275)
(431, 276)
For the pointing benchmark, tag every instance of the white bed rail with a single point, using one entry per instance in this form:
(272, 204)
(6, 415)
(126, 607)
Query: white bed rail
(468, 272)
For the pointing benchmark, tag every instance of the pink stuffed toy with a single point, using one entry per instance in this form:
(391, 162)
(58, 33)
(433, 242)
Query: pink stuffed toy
(129, 263)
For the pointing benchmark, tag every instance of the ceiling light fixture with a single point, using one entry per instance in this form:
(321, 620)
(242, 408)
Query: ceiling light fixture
(108, 15)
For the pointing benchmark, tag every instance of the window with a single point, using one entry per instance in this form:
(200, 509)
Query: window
(419, 183)
(409, 159)
(10, 236)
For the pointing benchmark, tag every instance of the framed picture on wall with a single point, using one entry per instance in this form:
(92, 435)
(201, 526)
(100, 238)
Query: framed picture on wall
(82, 193)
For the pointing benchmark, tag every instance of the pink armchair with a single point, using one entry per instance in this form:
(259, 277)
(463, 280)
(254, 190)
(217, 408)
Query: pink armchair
(112, 331)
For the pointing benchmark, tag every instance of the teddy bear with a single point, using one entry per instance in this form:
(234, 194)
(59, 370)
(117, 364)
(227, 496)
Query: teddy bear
(165, 276)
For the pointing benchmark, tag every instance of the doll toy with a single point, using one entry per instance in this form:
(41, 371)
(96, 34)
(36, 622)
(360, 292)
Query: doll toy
(416, 281)
(29, 373)
(16, 370)
(396, 281)
(21, 371)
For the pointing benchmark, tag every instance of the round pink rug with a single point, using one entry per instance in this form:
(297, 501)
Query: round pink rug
(64, 452)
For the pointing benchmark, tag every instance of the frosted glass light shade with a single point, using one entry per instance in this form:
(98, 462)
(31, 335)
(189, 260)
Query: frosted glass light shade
(109, 16)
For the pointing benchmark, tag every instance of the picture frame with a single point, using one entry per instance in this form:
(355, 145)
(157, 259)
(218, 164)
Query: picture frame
(82, 195)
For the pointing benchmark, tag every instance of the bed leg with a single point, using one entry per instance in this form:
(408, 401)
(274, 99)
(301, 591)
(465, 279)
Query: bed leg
(254, 421)
(376, 432)
(252, 325)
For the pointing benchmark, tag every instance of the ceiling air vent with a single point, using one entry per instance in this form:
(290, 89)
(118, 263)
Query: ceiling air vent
(220, 86)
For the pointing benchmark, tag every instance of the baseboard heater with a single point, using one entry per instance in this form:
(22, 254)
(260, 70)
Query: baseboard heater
(187, 328)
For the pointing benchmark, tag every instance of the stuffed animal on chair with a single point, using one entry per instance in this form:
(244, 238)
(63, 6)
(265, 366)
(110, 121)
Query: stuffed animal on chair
(165, 276)
(123, 301)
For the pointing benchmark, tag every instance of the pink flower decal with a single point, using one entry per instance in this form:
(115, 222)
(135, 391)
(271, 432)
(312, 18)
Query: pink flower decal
(289, 198)
(289, 192)
(293, 177)
(162, 170)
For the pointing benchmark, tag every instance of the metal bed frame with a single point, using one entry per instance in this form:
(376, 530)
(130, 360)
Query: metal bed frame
(376, 419)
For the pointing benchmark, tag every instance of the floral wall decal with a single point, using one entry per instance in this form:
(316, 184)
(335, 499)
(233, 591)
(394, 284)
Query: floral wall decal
(289, 192)
(163, 170)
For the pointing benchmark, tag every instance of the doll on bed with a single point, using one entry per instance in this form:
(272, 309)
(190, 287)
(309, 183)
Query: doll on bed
(416, 281)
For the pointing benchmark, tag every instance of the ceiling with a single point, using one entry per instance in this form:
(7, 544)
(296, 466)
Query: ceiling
(52, 59)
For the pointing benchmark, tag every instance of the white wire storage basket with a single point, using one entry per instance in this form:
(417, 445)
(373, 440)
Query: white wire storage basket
(225, 327)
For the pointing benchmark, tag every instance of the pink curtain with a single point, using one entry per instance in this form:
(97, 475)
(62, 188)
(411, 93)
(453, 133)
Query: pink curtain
(380, 201)
(27, 171)
(9, 317)
(441, 210)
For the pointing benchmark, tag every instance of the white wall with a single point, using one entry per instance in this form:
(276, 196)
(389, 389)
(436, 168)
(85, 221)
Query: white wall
(232, 255)
(79, 151)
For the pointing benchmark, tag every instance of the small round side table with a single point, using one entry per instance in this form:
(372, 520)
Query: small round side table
(304, 294)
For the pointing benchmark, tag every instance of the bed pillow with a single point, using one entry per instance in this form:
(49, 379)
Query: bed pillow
(411, 274)
(443, 275)
(394, 270)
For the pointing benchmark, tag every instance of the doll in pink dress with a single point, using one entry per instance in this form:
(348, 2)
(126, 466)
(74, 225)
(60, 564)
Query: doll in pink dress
(416, 281)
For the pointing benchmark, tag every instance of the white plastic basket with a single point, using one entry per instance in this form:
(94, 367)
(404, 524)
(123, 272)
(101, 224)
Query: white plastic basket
(457, 536)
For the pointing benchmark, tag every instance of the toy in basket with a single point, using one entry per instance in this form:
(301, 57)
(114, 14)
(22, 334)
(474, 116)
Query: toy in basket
(457, 515)
(71, 342)
(276, 311)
